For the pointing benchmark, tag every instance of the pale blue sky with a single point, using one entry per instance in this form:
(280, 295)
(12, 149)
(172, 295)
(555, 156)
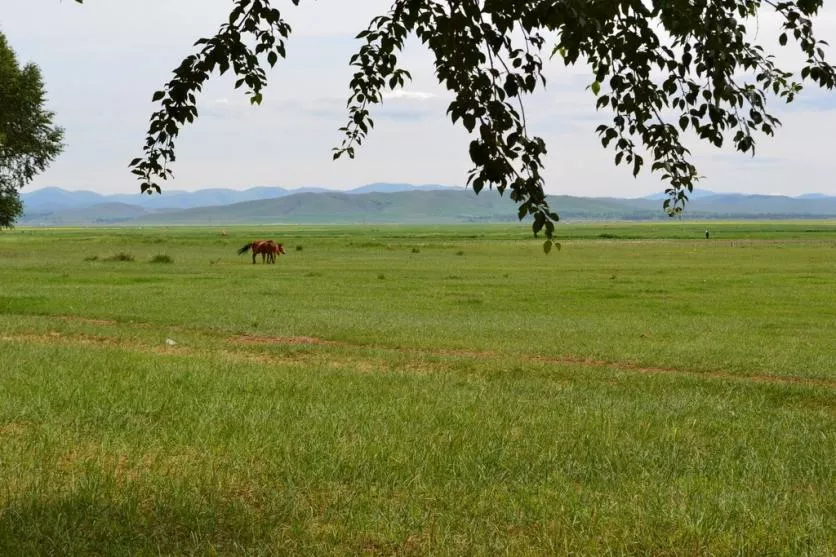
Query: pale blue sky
(102, 61)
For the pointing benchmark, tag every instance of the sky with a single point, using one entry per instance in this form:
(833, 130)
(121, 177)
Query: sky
(102, 61)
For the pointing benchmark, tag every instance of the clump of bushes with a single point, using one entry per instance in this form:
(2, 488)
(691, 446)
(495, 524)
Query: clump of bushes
(92, 258)
(162, 258)
(121, 256)
(416, 250)
(299, 248)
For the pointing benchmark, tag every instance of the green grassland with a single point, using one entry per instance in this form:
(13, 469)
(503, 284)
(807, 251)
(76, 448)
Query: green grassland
(412, 390)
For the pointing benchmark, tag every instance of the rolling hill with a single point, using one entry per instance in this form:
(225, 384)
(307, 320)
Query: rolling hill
(383, 203)
(51, 199)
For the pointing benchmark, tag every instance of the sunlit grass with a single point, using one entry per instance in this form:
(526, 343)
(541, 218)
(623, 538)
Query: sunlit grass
(628, 396)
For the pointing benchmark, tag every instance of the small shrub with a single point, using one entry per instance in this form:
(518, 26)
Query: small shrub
(121, 256)
(162, 258)
(92, 258)
(298, 248)
(381, 276)
(608, 236)
(416, 250)
(460, 252)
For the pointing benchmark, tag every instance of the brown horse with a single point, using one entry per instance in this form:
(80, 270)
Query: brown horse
(275, 249)
(267, 248)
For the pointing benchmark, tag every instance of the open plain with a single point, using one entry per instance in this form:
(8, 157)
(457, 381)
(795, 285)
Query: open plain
(395, 390)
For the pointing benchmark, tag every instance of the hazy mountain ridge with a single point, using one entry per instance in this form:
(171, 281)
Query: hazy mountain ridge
(52, 199)
(384, 203)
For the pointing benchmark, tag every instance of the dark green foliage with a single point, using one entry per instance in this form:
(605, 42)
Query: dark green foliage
(10, 206)
(29, 140)
(121, 256)
(162, 258)
(689, 62)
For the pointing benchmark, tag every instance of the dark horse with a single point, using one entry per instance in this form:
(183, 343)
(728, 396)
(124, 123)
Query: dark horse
(267, 248)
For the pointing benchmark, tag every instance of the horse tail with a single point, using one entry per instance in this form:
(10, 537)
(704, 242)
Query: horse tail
(245, 249)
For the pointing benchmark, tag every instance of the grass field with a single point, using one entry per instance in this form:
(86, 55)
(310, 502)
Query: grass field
(419, 390)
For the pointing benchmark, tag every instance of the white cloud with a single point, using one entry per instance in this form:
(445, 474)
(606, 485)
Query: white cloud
(409, 95)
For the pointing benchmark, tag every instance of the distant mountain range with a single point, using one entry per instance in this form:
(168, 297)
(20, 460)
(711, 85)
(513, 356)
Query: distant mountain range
(54, 199)
(381, 203)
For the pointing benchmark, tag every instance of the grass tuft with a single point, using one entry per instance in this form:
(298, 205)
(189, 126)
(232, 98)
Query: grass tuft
(121, 256)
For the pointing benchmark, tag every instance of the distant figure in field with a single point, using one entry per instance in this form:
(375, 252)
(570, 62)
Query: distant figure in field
(706, 234)
(267, 248)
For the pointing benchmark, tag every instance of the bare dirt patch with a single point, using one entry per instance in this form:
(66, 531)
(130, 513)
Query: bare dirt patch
(263, 340)
(14, 429)
(56, 337)
(91, 321)
(80, 339)
(268, 340)
(627, 366)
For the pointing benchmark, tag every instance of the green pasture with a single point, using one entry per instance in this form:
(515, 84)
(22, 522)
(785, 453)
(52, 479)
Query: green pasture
(394, 390)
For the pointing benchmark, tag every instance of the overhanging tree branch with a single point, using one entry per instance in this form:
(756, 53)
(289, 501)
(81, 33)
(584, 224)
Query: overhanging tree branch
(649, 58)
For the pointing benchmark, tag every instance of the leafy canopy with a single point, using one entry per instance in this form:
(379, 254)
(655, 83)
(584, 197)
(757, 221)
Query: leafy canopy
(29, 140)
(662, 67)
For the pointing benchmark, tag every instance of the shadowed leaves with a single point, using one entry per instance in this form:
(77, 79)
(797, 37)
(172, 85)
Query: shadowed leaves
(660, 68)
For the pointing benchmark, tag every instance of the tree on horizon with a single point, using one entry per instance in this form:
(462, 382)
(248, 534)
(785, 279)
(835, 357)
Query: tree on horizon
(29, 140)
